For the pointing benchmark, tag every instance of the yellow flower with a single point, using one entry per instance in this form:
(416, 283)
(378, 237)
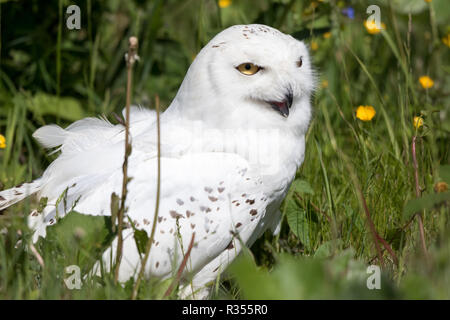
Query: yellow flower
(428, 0)
(325, 84)
(365, 113)
(224, 3)
(326, 35)
(440, 187)
(314, 45)
(426, 82)
(446, 40)
(372, 28)
(2, 142)
(417, 122)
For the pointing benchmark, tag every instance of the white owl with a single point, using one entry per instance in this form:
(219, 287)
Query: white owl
(231, 143)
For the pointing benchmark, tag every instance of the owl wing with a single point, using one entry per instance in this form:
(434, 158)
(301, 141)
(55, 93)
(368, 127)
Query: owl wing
(215, 196)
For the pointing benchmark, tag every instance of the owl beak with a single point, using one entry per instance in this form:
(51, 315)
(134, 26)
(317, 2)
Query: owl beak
(283, 106)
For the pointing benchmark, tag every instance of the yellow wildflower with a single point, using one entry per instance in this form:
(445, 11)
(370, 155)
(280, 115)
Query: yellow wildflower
(365, 113)
(2, 142)
(426, 82)
(224, 3)
(372, 28)
(417, 122)
(440, 187)
(314, 45)
(326, 35)
(325, 84)
(446, 40)
(428, 0)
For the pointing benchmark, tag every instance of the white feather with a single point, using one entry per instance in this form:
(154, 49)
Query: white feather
(50, 136)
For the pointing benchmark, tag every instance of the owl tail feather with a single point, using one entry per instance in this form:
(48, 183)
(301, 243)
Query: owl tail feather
(11, 196)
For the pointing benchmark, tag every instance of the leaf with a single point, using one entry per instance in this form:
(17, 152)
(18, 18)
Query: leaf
(302, 186)
(300, 224)
(341, 277)
(114, 210)
(426, 202)
(327, 248)
(42, 104)
(141, 238)
(81, 238)
(247, 274)
(42, 204)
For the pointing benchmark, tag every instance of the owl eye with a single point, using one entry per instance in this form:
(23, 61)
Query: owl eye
(248, 68)
(300, 62)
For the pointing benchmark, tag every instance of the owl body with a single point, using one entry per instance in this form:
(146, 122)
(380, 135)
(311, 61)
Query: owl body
(231, 142)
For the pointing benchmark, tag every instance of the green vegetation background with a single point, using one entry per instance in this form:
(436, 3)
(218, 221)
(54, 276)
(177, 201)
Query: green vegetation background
(50, 74)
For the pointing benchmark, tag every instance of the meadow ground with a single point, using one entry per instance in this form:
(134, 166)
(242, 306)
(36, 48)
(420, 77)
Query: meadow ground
(373, 189)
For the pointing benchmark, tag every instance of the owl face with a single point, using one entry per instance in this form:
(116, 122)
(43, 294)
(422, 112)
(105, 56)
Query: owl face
(250, 72)
(260, 64)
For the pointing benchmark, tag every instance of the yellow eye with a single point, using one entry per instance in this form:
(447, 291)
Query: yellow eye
(248, 68)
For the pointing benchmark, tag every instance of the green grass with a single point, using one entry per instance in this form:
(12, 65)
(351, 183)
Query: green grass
(50, 74)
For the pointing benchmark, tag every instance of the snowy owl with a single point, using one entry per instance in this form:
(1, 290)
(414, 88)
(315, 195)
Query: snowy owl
(231, 142)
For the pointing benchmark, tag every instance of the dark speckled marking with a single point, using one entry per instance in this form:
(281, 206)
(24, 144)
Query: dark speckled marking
(175, 214)
(208, 189)
(253, 212)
